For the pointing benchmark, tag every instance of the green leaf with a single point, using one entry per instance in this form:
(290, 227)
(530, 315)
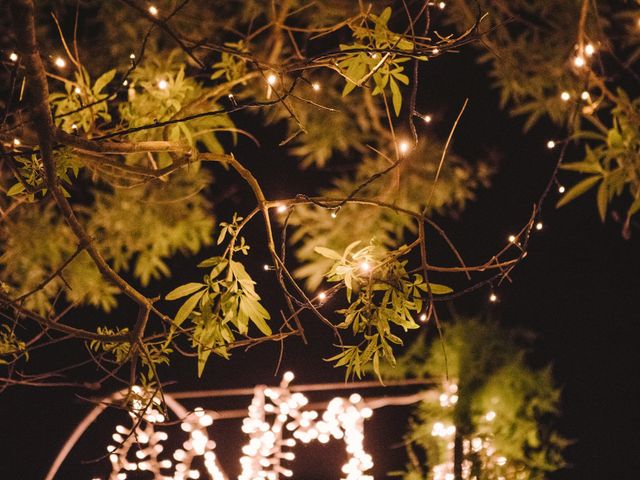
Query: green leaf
(578, 190)
(187, 307)
(327, 252)
(15, 189)
(584, 167)
(184, 290)
(396, 96)
(602, 199)
(103, 80)
(438, 289)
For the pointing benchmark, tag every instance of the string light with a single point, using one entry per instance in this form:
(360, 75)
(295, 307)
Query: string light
(315, 86)
(490, 416)
(272, 79)
(125, 82)
(561, 189)
(322, 296)
(163, 84)
(512, 238)
(551, 144)
(334, 214)
(442, 5)
(539, 226)
(60, 62)
(585, 95)
(403, 147)
(435, 51)
(17, 142)
(132, 56)
(493, 298)
(423, 317)
(153, 10)
(427, 118)
(13, 56)
(589, 49)
(364, 266)
(579, 61)
(565, 96)
(281, 208)
(77, 90)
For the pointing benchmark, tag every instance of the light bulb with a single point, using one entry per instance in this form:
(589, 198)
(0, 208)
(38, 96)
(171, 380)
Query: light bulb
(512, 238)
(288, 376)
(561, 189)
(17, 142)
(579, 61)
(60, 62)
(334, 214)
(551, 144)
(272, 79)
(281, 208)
(539, 226)
(589, 49)
(585, 95)
(435, 51)
(565, 96)
(493, 297)
(163, 85)
(364, 266)
(132, 56)
(403, 147)
(315, 86)
(427, 118)
(442, 5)
(423, 317)
(490, 416)
(77, 90)
(153, 10)
(322, 296)
(13, 56)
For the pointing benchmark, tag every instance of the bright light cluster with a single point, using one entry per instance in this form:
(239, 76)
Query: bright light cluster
(264, 454)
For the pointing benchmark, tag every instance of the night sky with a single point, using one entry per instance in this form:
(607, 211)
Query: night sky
(577, 290)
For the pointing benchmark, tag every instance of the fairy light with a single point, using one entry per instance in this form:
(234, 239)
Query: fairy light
(512, 239)
(365, 266)
(77, 90)
(490, 416)
(565, 96)
(493, 298)
(153, 10)
(427, 118)
(585, 96)
(322, 296)
(281, 208)
(334, 214)
(589, 50)
(125, 82)
(539, 226)
(442, 5)
(315, 86)
(551, 144)
(272, 79)
(403, 147)
(13, 56)
(561, 189)
(435, 51)
(60, 62)
(579, 61)
(163, 84)
(423, 317)
(501, 461)
(16, 142)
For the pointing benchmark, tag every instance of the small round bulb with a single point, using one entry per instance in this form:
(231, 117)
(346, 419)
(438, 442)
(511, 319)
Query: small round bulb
(565, 96)
(13, 56)
(551, 144)
(60, 62)
(153, 10)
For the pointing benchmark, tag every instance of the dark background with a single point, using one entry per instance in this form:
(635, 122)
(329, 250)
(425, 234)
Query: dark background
(577, 290)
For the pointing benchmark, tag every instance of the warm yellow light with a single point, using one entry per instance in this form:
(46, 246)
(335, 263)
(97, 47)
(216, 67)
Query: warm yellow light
(153, 10)
(272, 79)
(322, 296)
(288, 376)
(403, 147)
(60, 62)
(281, 208)
(585, 95)
(493, 298)
(17, 142)
(427, 118)
(579, 61)
(565, 96)
(132, 56)
(77, 90)
(551, 144)
(539, 226)
(13, 56)
(512, 238)
(435, 51)
(490, 416)
(423, 317)
(589, 49)
(163, 84)
(315, 86)
(364, 266)
(561, 189)
(442, 5)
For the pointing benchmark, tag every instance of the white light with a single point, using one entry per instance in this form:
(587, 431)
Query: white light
(512, 238)
(490, 416)
(589, 49)
(565, 96)
(60, 62)
(272, 79)
(125, 83)
(334, 214)
(585, 95)
(153, 10)
(163, 84)
(288, 376)
(423, 317)
(266, 267)
(17, 142)
(551, 144)
(13, 56)
(501, 461)
(442, 5)
(132, 56)
(435, 51)
(493, 298)
(281, 208)
(579, 61)
(427, 118)
(315, 86)
(364, 266)
(77, 90)
(539, 226)
(322, 296)
(403, 147)
(561, 189)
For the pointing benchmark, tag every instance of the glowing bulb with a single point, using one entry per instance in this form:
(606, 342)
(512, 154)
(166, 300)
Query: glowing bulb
(153, 10)
(322, 296)
(266, 267)
(334, 214)
(60, 62)
(539, 226)
(493, 297)
(365, 267)
(490, 416)
(17, 142)
(423, 317)
(13, 56)
(501, 461)
(281, 208)
(512, 238)
(272, 79)
(435, 51)
(163, 85)
(427, 118)
(585, 95)
(565, 96)
(579, 61)
(403, 147)
(442, 5)
(77, 90)
(551, 144)
(315, 86)
(288, 376)
(589, 49)
(561, 189)
(125, 83)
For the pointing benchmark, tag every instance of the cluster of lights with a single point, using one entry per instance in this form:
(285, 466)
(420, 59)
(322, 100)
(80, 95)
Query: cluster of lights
(148, 456)
(264, 454)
